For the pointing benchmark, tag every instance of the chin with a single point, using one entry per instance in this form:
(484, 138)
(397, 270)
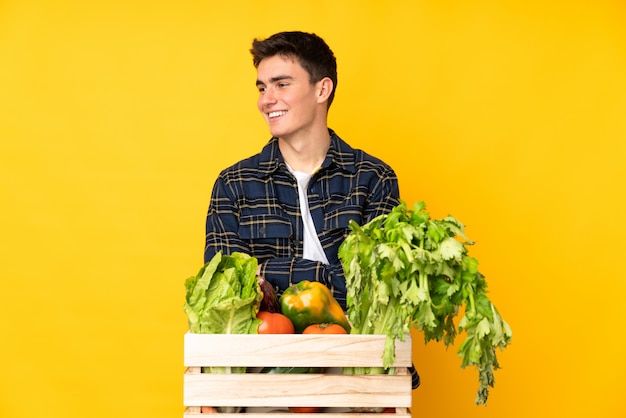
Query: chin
(278, 133)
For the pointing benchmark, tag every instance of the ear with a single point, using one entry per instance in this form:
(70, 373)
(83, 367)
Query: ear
(324, 88)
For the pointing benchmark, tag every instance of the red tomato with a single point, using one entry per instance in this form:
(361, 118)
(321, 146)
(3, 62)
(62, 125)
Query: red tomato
(208, 410)
(304, 409)
(274, 323)
(324, 329)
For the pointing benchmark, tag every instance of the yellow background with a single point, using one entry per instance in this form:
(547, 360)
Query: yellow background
(116, 116)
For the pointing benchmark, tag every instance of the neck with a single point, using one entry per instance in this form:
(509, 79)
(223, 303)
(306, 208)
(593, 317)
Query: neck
(305, 155)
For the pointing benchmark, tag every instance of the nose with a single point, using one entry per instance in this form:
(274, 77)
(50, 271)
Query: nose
(268, 97)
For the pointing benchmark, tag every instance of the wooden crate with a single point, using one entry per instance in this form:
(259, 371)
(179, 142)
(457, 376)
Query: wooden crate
(271, 393)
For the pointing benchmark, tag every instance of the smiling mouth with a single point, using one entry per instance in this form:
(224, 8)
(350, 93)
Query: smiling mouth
(276, 114)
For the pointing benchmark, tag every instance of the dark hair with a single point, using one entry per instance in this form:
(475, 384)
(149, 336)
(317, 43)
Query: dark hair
(312, 53)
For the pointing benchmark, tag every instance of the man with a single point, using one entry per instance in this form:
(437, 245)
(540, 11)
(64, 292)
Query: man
(289, 205)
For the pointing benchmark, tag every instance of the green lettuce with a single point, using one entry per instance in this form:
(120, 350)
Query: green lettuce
(224, 297)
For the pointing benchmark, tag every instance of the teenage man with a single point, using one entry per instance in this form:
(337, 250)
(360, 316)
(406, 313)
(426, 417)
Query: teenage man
(290, 204)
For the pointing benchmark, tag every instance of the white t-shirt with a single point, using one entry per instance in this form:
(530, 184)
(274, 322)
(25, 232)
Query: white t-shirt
(312, 246)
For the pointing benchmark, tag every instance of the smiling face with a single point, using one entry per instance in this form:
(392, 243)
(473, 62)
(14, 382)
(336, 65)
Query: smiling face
(289, 103)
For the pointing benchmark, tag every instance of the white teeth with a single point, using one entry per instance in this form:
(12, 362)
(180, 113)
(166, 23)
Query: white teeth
(276, 114)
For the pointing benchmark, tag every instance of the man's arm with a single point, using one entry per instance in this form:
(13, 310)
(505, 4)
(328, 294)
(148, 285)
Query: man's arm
(384, 197)
(223, 234)
(222, 224)
(281, 272)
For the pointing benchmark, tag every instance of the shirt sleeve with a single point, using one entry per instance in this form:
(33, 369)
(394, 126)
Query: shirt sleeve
(384, 197)
(222, 224)
(281, 272)
(222, 234)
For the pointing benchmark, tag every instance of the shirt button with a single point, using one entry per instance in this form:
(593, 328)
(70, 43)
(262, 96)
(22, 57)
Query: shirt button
(262, 230)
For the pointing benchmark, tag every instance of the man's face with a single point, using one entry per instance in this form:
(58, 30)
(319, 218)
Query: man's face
(287, 99)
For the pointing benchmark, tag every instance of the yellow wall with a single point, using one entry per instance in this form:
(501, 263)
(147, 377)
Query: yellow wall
(115, 117)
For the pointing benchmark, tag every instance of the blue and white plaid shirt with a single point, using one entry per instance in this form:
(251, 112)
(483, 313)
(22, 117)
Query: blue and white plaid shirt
(254, 209)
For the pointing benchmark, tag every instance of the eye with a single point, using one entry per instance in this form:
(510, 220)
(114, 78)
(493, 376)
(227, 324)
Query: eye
(281, 85)
(261, 89)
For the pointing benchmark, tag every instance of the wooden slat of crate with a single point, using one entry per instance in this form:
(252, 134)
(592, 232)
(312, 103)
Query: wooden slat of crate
(296, 350)
(283, 390)
(194, 412)
(336, 393)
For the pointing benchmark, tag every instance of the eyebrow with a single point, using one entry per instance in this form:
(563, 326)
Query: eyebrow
(275, 79)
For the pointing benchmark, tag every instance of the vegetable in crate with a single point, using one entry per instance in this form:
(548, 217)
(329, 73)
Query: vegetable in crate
(224, 298)
(270, 302)
(274, 323)
(307, 303)
(324, 329)
(403, 270)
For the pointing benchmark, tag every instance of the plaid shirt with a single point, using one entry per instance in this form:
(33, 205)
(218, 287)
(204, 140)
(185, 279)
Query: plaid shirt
(254, 209)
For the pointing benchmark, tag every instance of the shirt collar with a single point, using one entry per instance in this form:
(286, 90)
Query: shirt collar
(339, 154)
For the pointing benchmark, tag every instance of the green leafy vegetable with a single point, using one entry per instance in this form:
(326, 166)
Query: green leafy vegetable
(404, 270)
(291, 370)
(224, 298)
